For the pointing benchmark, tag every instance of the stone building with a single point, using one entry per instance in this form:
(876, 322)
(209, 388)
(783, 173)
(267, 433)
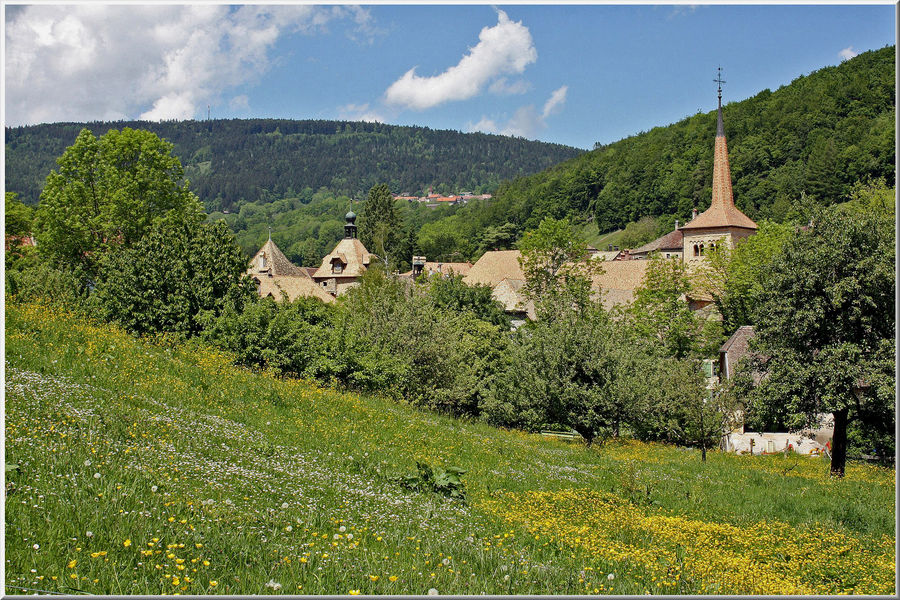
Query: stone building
(342, 267)
(276, 276)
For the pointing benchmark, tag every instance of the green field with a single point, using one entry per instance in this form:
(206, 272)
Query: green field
(159, 468)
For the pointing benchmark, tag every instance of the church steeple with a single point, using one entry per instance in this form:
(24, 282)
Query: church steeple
(722, 194)
(721, 212)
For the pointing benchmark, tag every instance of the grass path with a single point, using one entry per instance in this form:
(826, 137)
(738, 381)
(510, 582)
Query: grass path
(147, 469)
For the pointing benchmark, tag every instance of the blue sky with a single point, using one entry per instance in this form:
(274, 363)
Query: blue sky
(569, 74)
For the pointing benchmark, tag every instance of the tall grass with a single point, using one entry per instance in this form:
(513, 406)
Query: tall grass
(159, 468)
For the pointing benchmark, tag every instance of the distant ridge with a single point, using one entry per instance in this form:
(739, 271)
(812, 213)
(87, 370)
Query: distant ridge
(262, 159)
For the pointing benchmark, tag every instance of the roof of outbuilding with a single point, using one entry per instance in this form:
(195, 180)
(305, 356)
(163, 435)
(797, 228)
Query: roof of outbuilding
(294, 287)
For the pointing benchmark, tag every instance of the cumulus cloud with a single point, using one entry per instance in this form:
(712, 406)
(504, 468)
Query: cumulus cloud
(847, 53)
(526, 122)
(504, 49)
(87, 62)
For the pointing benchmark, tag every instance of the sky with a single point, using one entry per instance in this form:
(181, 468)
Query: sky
(569, 74)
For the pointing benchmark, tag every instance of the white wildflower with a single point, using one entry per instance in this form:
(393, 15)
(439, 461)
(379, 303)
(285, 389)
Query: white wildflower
(153, 488)
(342, 529)
(432, 592)
(446, 561)
(87, 463)
(349, 536)
(97, 476)
(89, 534)
(274, 585)
(611, 576)
(289, 529)
(36, 547)
(284, 505)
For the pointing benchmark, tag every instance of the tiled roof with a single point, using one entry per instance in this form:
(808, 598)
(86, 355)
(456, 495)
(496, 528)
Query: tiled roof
(276, 262)
(352, 254)
(444, 268)
(674, 240)
(294, 287)
(495, 266)
(618, 281)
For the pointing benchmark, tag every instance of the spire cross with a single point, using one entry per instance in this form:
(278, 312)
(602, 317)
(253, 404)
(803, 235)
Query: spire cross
(270, 233)
(720, 81)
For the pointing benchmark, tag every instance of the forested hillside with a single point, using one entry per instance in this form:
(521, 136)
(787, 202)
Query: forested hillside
(230, 161)
(816, 136)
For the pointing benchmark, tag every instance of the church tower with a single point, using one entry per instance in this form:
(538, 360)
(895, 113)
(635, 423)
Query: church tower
(722, 222)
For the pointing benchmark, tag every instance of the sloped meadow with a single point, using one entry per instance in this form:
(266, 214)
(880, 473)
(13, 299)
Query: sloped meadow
(138, 467)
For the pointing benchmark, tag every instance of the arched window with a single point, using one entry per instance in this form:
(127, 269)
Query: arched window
(262, 262)
(701, 249)
(696, 250)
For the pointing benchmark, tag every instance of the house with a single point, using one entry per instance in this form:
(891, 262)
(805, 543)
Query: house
(342, 267)
(276, 276)
(732, 351)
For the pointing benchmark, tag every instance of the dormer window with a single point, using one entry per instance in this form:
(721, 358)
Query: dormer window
(262, 262)
(337, 267)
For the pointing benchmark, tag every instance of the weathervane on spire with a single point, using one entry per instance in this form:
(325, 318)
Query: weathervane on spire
(720, 81)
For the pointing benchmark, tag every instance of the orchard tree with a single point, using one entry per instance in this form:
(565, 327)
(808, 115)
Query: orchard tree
(826, 325)
(557, 268)
(109, 192)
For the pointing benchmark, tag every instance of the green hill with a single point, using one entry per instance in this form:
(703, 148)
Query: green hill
(816, 136)
(139, 468)
(230, 162)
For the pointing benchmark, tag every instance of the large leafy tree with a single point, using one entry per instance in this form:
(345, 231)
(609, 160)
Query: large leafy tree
(109, 192)
(180, 274)
(826, 325)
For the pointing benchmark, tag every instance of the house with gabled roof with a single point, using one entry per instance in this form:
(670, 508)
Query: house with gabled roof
(276, 276)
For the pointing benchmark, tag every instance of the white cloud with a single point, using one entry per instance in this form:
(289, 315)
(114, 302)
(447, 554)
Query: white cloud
(504, 87)
(847, 53)
(506, 48)
(239, 102)
(555, 102)
(526, 122)
(90, 61)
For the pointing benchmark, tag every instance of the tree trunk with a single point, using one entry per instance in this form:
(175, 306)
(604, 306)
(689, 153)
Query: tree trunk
(839, 443)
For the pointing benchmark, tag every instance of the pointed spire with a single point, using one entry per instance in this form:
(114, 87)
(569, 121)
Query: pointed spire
(721, 212)
(720, 126)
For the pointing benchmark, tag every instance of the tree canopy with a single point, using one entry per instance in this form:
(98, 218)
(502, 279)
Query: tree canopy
(826, 326)
(109, 192)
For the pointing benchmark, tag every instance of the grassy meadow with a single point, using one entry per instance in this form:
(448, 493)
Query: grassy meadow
(151, 468)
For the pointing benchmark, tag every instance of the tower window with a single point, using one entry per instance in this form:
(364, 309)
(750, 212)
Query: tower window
(701, 249)
(696, 250)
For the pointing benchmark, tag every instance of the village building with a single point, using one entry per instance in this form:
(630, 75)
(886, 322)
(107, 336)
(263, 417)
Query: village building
(342, 267)
(276, 276)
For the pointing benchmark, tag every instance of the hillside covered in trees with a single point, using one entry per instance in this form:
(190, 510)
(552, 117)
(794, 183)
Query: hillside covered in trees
(815, 137)
(229, 162)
